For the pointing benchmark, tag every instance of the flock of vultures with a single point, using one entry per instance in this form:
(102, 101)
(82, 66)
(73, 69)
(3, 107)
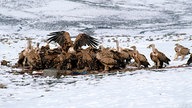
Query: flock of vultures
(71, 56)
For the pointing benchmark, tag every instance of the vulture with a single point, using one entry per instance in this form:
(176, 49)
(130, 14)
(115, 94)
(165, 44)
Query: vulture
(140, 59)
(181, 51)
(107, 58)
(30, 57)
(126, 54)
(189, 61)
(64, 40)
(48, 55)
(64, 60)
(85, 59)
(158, 57)
(76, 56)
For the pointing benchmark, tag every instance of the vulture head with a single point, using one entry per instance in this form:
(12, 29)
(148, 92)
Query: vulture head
(181, 51)
(64, 40)
(151, 46)
(177, 44)
(133, 47)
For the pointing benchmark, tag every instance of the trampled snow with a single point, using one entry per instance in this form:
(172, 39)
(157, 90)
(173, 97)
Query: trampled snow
(134, 22)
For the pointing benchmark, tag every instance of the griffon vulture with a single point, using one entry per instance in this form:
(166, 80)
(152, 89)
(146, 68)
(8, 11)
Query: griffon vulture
(181, 51)
(106, 57)
(64, 40)
(189, 61)
(30, 57)
(65, 61)
(158, 57)
(126, 54)
(140, 59)
(87, 59)
(48, 55)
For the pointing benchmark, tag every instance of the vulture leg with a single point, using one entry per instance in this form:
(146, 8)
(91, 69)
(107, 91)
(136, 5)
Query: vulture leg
(189, 61)
(138, 64)
(182, 57)
(161, 64)
(106, 68)
(176, 57)
(158, 64)
(69, 66)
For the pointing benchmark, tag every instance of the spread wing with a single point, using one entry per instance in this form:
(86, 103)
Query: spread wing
(57, 37)
(62, 38)
(84, 39)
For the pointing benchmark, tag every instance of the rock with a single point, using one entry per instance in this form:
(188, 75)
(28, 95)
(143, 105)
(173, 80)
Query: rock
(4, 62)
(2, 86)
(50, 73)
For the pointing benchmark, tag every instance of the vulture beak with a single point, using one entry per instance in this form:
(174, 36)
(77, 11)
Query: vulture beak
(132, 47)
(176, 44)
(149, 46)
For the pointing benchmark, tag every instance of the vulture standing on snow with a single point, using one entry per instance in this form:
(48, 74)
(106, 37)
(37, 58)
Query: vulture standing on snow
(158, 57)
(30, 57)
(64, 40)
(140, 59)
(189, 61)
(181, 51)
(107, 58)
(125, 54)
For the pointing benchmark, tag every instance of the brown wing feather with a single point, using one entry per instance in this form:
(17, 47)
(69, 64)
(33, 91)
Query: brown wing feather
(108, 61)
(61, 37)
(162, 57)
(184, 51)
(153, 57)
(84, 39)
(143, 60)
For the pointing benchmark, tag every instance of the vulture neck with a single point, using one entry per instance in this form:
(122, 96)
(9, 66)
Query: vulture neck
(117, 44)
(29, 46)
(134, 48)
(101, 47)
(71, 50)
(98, 56)
(154, 49)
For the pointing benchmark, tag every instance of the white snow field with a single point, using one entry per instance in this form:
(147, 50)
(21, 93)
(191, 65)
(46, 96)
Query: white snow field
(134, 22)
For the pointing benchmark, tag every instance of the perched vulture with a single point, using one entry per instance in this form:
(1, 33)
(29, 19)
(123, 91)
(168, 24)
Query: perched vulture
(22, 55)
(87, 59)
(189, 61)
(181, 51)
(48, 55)
(107, 58)
(126, 54)
(64, 40)
(65, 60)
(158, 57)
(140, 59)
(30, 57)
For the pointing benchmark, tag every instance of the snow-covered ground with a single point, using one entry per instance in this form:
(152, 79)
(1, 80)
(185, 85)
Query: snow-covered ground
(134, 22)
(140, 89)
